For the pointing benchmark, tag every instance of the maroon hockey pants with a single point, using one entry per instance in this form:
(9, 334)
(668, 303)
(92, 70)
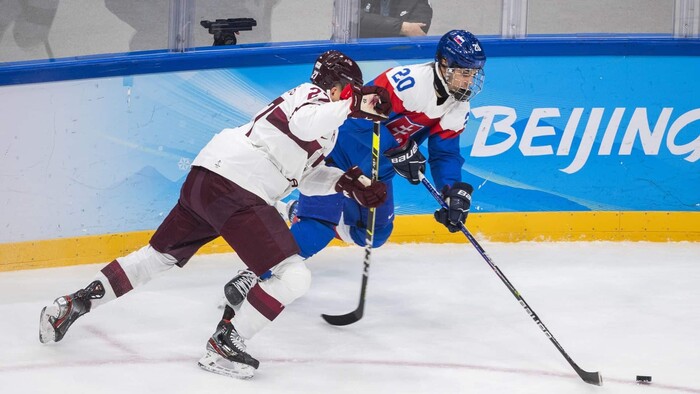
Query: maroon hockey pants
(211, 206)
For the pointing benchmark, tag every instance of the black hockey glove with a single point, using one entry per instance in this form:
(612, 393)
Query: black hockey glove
(407, 161)
(458, 199)
(354, 184)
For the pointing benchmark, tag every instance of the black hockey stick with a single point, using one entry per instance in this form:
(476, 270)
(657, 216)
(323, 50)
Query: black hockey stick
(588, 377)
(354, 316)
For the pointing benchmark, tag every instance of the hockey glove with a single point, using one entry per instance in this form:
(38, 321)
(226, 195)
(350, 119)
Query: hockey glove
(367, 102)
(354, 184)
(407, 161)
(458, 198)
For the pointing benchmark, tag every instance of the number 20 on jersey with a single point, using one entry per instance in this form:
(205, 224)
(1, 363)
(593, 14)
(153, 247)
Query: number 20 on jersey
(403, 79)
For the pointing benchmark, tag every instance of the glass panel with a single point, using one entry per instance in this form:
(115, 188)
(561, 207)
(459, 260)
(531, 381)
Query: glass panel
(276, 20)
(302, 20)
(600, 16)
(477, 16)
(397, 18)
(41, 29)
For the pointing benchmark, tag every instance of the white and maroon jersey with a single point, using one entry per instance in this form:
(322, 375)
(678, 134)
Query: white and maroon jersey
(415, 105)
(283, 147)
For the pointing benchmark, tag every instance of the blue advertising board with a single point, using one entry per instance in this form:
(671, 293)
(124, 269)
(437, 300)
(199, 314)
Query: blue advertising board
(548, 133)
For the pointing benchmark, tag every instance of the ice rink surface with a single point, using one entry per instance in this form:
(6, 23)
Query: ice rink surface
(437, 320)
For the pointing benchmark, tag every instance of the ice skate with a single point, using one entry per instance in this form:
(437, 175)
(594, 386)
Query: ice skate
(229, 313)
(226, 354)
(237, 288)
(292, 209)
(288, 210)
(56, 318)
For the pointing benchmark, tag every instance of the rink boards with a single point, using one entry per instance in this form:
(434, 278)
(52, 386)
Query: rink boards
(560, 145)
(497, 227)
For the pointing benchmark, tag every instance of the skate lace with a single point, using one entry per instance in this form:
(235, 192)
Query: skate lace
(236, 340)
(93, 291)
(227, 342)
(245, 281)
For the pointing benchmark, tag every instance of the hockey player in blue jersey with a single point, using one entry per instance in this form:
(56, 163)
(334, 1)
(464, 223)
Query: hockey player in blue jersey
(431, 101)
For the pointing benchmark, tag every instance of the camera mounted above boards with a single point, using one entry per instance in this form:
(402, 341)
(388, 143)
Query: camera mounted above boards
(225, 30)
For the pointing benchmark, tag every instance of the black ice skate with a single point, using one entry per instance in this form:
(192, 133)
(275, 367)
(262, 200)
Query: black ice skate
(237, 288)
(226, 354)
(55, 319)
(229, 313)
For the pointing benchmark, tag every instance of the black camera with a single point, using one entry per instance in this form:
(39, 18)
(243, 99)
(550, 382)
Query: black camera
(224, 30)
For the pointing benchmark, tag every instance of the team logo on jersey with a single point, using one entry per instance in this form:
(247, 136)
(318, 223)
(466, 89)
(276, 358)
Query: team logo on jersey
(402, 128)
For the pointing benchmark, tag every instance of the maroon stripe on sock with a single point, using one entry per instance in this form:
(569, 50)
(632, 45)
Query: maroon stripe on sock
(264, 303)
(117, 278)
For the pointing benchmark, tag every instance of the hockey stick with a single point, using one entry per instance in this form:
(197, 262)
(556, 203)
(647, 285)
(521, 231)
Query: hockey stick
(588, 377)
(354, 316)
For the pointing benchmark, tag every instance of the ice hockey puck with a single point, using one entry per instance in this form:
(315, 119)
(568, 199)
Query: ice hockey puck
(642, 379)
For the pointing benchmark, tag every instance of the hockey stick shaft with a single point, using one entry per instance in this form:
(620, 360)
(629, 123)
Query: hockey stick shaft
(588, 377)
(354, 316)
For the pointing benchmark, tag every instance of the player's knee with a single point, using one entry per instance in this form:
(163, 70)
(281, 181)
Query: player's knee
(381, 235)
(378, 240)
(299, 278)
(295, 276)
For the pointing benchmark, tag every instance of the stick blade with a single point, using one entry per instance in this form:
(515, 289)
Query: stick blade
(343, 320)
(594, 378)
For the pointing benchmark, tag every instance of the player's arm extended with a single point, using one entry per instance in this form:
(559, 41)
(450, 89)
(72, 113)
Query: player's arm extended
(445, 159)
(314, 119)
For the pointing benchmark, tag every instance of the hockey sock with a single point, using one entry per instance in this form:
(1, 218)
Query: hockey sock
(266, 300)
(135, 269)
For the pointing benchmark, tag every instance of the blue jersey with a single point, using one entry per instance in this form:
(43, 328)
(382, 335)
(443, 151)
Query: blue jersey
(418, 114)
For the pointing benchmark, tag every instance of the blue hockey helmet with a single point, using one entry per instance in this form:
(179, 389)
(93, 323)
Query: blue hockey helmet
(460, 49)
(460, 53)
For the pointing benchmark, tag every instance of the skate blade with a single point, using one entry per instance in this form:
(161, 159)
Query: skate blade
(47, 333)
(213, 362)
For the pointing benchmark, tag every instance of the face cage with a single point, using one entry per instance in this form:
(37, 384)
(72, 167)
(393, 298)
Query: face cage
(465, 92)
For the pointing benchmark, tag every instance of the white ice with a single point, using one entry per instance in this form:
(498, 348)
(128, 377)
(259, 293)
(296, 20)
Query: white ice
(437, 320)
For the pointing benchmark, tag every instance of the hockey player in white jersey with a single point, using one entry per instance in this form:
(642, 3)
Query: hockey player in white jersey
(231, 191)
(431, 103)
